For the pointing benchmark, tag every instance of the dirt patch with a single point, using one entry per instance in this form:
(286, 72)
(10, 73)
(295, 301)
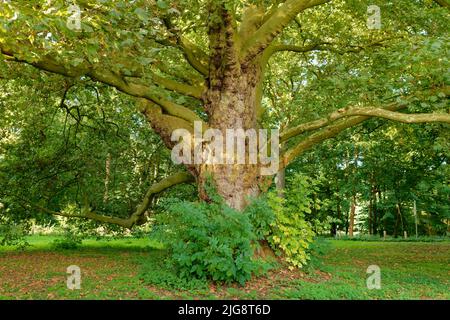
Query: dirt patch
(263, 285)
(33, 274)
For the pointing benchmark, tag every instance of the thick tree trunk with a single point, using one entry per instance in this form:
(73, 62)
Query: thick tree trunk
(236, 184)
(231, 103)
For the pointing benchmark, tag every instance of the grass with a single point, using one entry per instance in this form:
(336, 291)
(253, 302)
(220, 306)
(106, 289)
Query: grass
(135, 269)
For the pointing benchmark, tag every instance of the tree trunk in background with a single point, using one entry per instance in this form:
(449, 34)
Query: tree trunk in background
(339, 215)
(107, 177)
(375, 214)
(352, 217)
(370, 217)
(399, 220)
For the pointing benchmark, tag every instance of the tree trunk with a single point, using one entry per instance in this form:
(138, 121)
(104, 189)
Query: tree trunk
(352, 217)
(234, 182)
(338, 225)
(231, 102)
(107, 178)
(399, 220)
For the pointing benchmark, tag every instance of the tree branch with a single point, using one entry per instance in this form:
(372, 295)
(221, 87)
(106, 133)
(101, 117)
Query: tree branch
(345, 118)
(194, 55)
(320, 46)
(273, 26)
(396, 116)
(175, 179)
(100, 74)
(274, 48)
(142, 91)
(443, 3)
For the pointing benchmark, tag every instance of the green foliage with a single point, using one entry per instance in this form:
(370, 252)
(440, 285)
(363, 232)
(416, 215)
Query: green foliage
(208, 240)
(292, 234)
(156, 268)
(11, 234)
(318, 249)
(261, 216)
(67, 243)
(376, 238)
(70, 241)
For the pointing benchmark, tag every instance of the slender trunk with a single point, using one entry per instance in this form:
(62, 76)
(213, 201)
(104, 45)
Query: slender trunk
(339, 215)
(107, 178)
(370, 217)
(352, 217)
(399, 211)
(397, 220)
(375, 213)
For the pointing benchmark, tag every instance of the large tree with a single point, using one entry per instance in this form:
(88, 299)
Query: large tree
(210, 61)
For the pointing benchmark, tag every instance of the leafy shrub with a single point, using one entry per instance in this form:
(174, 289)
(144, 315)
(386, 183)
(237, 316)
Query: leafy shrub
(157, 269)
(13, 235)
(70, 241)
(261, 216)
(292, 234)
(318, 248)
(208, 240)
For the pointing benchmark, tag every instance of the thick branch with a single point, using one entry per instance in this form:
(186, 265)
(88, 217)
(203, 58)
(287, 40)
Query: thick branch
(396, 116)
(372, 112)
(443, 3)
(178, 178)
(275, 25)
(343, 119)
(100, 74)
(192, 91)
(194, 55)
(142, 91)
(164, 125)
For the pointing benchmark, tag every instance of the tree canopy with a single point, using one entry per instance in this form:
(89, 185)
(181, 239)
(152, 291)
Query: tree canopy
(77, 88)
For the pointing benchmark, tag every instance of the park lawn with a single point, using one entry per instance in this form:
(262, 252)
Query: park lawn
(129, 269)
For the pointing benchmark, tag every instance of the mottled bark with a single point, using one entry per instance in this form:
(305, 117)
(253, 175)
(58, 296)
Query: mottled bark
(230, 101)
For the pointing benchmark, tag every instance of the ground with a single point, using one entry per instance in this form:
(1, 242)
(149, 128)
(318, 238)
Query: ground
(121, 269)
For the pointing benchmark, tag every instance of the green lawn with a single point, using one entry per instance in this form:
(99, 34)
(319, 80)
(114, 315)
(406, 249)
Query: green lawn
(134, 269)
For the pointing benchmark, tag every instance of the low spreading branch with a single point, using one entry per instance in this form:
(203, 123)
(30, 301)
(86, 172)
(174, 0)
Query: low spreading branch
(137, 216)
